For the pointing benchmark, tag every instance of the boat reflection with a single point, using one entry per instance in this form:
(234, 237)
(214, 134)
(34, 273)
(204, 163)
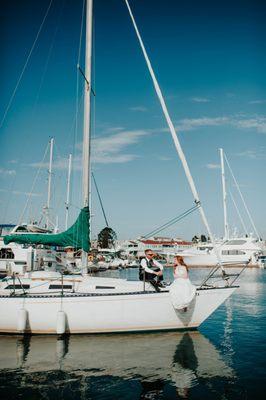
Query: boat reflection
(150, 362)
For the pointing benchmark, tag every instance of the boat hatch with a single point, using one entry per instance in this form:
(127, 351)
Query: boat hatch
(18, 286)
(60, 287)
(104, 287)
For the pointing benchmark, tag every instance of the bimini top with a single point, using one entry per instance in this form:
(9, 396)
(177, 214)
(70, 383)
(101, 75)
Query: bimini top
(77, 236)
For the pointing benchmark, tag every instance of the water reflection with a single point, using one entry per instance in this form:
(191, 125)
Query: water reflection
(134, 366)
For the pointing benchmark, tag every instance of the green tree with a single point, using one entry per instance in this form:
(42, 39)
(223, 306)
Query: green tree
(106, 238)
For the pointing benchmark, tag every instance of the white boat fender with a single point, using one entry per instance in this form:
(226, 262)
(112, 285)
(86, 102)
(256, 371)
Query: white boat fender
(22, 320)
(61, 323)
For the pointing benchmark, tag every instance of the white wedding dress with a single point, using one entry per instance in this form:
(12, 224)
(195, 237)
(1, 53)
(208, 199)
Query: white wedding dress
(182, 291)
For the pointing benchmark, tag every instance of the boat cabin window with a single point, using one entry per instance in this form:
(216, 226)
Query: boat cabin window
(5, 229)
(53, 286)
(236, 242)
(104, 287)
(21, 229)
(18, 286)
(6, 253)
(232, 252)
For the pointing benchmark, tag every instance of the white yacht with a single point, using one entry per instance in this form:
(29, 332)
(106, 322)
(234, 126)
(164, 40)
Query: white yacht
(20, 258)
(236, 251)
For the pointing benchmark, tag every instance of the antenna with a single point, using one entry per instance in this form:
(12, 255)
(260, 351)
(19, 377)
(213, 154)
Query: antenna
(226, 226)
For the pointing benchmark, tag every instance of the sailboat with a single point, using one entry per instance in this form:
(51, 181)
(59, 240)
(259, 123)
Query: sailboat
(72, 304)
(234, 251)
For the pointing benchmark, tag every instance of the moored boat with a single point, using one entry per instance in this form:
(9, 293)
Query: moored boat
(94, 305)
(54, 304)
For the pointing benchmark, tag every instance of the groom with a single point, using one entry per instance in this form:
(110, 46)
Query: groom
(151, 270)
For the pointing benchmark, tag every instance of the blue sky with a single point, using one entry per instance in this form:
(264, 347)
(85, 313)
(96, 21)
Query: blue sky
(210, 61)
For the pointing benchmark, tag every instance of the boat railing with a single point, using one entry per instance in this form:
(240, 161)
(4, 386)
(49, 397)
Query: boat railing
(227, 278)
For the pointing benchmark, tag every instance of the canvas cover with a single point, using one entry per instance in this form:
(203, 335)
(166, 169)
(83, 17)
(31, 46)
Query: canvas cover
(77, 236)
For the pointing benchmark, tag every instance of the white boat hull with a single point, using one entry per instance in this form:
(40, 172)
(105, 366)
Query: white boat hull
(97, 313)
(210, 260)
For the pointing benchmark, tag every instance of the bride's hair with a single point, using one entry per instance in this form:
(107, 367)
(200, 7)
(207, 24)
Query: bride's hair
(181, 261)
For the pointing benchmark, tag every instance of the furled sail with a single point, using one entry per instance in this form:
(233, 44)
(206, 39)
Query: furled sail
(78, 235)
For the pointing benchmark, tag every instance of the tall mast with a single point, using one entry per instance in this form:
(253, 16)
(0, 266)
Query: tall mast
(226, 227)
(49, 183)
(68, 188)
(242, 198)
(86, 126)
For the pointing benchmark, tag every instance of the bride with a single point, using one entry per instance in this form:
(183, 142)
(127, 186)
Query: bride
(182, 291)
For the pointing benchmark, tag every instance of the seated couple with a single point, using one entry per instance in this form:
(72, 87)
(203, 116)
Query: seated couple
(182, 291)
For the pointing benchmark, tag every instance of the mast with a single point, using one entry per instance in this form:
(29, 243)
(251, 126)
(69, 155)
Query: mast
(68, 188)
(238, 213)
(86, 125)
(174, 137)
(49, 183)
(242, 198)
(226, 227)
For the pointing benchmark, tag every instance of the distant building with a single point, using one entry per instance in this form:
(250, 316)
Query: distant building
(158, 244)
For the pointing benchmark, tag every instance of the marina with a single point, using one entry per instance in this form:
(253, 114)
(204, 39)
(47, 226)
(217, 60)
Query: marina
(116, 305)
(132, 257)
(214, 362)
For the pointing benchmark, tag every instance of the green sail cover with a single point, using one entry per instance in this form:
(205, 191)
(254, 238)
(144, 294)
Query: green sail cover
(78, 235)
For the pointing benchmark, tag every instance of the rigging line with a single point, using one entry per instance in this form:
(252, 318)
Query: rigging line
(238, 213)
(100, 199)
(172, 221)
(26, 64)
(78, 101)
(242, 198)
(33, 185)
(77, 75)
(93, 117)
(10, 192)
(81, 30)
(59, 177)
(174, 135)
(59, 17)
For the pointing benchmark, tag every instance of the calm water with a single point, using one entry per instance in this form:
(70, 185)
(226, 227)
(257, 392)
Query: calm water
(226, 359)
